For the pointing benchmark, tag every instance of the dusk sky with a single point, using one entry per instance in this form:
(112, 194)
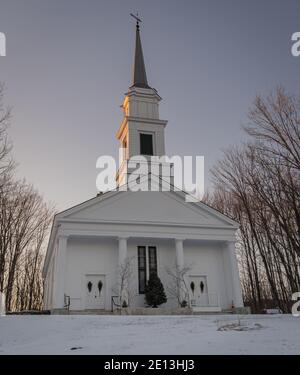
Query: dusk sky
(69, 63)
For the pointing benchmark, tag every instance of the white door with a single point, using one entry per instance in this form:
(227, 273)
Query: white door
(198, 291)
(95, 292)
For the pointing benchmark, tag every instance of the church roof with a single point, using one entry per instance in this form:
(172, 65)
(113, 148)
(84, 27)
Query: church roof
(169, 187)
(139, 70)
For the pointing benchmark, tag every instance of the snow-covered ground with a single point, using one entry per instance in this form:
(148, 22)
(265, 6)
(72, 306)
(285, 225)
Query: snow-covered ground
(209, 334)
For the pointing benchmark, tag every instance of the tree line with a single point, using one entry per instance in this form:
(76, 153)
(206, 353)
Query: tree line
(24, 226)
(258, 184)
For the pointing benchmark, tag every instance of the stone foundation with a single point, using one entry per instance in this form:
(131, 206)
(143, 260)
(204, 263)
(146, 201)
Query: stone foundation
(151, 311)
(154, 311)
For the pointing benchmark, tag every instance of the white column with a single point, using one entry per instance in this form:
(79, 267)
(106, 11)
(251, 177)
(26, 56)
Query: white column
(60, 272)
(122, 250)
(233, 274)
(179, 253)
(180, 265)
(121, 271)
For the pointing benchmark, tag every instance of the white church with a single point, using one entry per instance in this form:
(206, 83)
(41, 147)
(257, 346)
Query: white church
(101, 252)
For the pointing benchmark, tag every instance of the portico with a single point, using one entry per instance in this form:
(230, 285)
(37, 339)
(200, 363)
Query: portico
(172, 253)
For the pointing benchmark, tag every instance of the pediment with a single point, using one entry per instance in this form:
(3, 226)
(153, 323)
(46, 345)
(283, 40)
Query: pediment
(147, 207)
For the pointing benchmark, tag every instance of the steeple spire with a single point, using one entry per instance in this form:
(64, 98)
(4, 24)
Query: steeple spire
(139, 71)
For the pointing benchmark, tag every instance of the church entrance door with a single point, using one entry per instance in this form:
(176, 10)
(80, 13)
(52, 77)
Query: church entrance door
(95, 291)
(198, 290)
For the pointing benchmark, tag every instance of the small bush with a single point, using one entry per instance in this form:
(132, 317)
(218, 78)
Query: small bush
(154, 293)
(183, 303)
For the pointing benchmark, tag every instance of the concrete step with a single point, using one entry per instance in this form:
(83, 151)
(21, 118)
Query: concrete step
(80, 312)
(90, 312)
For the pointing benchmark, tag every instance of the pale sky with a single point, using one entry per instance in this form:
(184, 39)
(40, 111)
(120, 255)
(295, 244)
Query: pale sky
(69, 64)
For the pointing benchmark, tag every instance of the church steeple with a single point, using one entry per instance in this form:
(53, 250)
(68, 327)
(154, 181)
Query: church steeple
(139, 70)
(141, 131)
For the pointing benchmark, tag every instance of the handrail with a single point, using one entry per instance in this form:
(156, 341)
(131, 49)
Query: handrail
(113, 303)
(67, 302)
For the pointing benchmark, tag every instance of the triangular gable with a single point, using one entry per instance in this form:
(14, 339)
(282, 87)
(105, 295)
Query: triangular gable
(147, 206)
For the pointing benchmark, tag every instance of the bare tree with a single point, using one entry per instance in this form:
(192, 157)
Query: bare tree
(125, 286)
(274, 123)
(24, 226)
(177, 286)
(259, 185)
(29, 220)
(6, 162)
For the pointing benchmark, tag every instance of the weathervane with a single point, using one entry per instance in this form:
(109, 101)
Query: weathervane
(138, 20)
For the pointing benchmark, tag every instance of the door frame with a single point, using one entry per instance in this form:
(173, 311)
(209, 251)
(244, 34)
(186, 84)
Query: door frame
(85, 275)
(198, 275)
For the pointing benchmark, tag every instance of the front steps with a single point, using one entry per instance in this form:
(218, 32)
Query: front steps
(145, 311)
(80, 312)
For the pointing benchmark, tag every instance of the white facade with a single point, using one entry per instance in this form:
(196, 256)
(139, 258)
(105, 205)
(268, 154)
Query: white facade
(90, 244)
(94, 238)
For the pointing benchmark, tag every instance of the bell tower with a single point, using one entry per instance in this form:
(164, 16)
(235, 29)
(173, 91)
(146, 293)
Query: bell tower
(141, 131)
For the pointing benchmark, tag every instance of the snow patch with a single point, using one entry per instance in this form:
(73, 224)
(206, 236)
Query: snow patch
(152, 335)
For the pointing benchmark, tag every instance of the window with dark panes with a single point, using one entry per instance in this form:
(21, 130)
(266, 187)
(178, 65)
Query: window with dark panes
(147, 264)
(152, 260)
(146, 142)
(142, 268)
